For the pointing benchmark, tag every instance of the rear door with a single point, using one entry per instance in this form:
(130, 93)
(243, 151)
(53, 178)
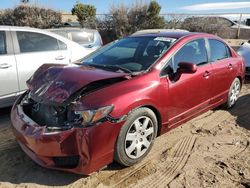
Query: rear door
(8, 72)
(35, 49)
(224, 69)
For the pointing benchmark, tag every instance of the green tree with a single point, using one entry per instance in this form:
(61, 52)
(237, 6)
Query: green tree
(86, 14)
(154, 20)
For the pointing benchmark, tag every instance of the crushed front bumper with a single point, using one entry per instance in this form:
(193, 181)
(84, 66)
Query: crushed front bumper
(78, 150)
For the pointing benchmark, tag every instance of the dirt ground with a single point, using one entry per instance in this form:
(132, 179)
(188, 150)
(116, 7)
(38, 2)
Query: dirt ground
(211, 150)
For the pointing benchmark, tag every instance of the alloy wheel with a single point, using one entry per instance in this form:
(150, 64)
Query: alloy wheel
(139, 137)
(235, 92)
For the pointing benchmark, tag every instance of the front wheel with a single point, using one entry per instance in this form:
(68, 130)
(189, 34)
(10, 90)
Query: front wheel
(234, 93)
(136, 137)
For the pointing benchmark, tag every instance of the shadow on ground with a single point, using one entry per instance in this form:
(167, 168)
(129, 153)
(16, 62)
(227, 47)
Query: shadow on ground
(16, 167)
(242, 111)
(4, 116)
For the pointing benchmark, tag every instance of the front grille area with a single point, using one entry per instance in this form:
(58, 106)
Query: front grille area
(66, 162)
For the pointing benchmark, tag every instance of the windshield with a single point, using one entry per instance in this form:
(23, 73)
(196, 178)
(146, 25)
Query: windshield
(132, 54)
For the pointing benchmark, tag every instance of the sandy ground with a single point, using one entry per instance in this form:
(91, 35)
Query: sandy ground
(211, 150)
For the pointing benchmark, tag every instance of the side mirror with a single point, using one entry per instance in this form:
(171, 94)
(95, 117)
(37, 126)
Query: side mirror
(185, 67)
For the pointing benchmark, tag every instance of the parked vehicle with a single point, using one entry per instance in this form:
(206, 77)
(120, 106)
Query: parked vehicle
(244, 51)
(23, 50)
(230, 30)
(114, 104)
(90, 39)
(71, 24)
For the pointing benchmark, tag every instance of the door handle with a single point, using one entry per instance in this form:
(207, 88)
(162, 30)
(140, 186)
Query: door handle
(206, 74)
(60, 57)
(5, 66)
(230, 66)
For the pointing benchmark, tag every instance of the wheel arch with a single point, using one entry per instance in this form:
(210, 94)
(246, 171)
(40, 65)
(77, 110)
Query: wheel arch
(158, 116)
(241, 80)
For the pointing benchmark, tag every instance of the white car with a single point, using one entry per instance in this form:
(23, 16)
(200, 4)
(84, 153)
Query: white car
(90, 39)
(244, 51)
(23, 50)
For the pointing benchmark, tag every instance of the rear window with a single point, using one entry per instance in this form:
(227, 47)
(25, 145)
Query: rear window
(82, 37)
(59, 32)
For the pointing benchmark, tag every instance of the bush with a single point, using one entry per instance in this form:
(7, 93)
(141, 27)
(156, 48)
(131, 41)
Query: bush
(213, 25)
(124, 20)
(33, 16)
(85, 15)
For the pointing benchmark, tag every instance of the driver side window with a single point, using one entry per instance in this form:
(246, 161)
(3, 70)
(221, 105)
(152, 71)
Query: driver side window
(193, 52)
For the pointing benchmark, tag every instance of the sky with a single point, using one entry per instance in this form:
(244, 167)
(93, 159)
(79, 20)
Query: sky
(168, 6)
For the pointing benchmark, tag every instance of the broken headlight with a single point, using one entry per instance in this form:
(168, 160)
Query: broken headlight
(88, 117)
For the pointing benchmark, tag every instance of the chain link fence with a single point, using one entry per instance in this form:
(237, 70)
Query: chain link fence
(225, 25)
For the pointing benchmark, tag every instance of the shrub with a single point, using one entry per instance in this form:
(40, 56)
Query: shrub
(213, 25)
(85, 14)
(124, 20)
(33, 16)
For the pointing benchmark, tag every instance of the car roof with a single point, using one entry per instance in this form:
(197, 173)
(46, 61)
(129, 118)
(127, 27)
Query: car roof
(18, 28)
(70, 29)
(36, 30)
(150, 31)
(171, 34)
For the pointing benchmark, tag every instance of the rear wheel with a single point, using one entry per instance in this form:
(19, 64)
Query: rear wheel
(136, 137)
(234, 93)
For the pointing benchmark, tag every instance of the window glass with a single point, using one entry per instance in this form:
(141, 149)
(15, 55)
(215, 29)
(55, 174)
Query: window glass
(193, 52)
(35, 42)
(62, 45)
(2, 43)
(132, 53)
(82, 37)
(218, 50)
(61, 32)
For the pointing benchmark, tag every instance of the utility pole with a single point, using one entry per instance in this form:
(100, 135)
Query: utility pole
(238, 33)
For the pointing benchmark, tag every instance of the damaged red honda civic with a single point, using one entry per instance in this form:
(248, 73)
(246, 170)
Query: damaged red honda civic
(111, 106)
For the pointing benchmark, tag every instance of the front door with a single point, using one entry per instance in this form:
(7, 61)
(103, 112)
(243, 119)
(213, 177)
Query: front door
(190, 93)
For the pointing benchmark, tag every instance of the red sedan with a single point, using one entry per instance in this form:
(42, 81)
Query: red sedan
(80, 118)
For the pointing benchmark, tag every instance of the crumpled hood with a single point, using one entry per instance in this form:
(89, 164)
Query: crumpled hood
(56, 83)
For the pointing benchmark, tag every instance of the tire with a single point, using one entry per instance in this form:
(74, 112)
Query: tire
(136, 137)
(233, 93)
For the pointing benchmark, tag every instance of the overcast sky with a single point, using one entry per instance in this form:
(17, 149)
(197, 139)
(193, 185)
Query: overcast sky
(168, 6)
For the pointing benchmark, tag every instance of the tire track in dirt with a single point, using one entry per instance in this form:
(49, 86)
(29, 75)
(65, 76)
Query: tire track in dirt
(211, 121)
(233, 146)
(171, 167)
(7, 140)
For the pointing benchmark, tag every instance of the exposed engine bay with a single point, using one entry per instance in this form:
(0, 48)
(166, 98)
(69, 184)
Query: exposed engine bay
(55, 90)
(60, 116)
